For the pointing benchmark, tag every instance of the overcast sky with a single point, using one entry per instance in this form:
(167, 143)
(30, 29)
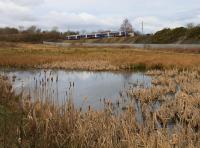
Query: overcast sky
(93, 15)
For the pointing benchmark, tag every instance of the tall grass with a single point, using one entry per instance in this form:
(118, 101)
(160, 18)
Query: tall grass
(169, 117)
(92, 58)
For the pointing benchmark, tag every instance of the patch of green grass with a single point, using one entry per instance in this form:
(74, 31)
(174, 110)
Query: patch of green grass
(139, 67)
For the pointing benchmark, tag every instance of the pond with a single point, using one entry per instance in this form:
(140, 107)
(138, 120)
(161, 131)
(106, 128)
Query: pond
(82, 87)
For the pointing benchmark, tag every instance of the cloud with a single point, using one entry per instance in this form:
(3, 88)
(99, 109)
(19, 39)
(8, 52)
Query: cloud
(77, 21)
(10, 7)
(13, 14)
(95, 15)
(29, 3)
(153, 23)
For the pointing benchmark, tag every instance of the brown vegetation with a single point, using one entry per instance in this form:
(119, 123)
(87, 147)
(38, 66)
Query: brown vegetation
(91, 58)
(169, 112)
(32, 34)
(181, 35)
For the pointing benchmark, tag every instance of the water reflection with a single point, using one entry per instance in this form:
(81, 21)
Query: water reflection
(84, 88)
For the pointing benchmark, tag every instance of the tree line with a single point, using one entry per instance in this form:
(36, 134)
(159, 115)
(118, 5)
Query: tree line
(189, 34)
(32, 34)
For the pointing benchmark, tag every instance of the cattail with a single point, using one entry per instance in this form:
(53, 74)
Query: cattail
(70, 84)
(89, 108)
(37, 106)
(174, 140)
(57, 78)
(47, 114)
(118, 103)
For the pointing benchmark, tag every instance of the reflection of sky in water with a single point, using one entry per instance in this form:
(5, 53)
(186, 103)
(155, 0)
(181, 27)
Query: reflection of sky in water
(93, 85)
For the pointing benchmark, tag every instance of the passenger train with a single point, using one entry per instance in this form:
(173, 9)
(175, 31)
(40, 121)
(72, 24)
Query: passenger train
(99, 35)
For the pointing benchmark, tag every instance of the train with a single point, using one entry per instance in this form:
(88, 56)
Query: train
(99, 35)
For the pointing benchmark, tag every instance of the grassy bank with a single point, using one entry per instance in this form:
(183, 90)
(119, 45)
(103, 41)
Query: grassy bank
(92, 58)
(169, 118)
(179, 35)
(105, 40)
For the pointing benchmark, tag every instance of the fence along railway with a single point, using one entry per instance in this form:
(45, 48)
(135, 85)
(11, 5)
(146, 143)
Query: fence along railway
(140, 46)
(98, 35)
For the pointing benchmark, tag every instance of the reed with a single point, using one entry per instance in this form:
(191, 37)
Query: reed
(163, 115)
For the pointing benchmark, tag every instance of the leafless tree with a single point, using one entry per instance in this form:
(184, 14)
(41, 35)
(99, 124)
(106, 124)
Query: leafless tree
(190, 25)
(32, 29)
(21, 28)
(54, 29)
(126, 26)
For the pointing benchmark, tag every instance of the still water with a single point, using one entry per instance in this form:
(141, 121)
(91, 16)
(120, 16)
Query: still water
(84, 88)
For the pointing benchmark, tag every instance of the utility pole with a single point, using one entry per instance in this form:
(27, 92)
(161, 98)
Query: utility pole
(142, 28)
(68, 28)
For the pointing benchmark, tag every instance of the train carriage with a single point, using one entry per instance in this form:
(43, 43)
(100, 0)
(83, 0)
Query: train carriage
(99, 35)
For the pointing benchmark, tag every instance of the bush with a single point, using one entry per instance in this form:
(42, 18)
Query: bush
(139, 67)
(169, 35)
(193, 33)
(32, 34)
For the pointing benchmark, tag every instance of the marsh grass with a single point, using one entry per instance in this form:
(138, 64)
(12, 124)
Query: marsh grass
(169, 109)
(92, 58)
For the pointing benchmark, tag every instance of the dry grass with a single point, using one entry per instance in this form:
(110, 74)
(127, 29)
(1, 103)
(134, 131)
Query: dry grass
(91, 58)
(174, 122)
(170, 108)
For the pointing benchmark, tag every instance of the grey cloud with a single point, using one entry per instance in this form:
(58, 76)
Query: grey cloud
(98, 14)
(26, 2)
(12, 14)
(77, 21)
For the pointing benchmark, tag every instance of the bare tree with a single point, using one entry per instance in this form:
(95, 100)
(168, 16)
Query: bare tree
(83, 32)
(126, 26)
(54, 29)
(21, 28)
(190, 25)
(32, 29)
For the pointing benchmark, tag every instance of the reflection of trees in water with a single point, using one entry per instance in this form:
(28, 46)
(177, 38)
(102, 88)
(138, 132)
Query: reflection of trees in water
(127, 76)
(135, 79)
